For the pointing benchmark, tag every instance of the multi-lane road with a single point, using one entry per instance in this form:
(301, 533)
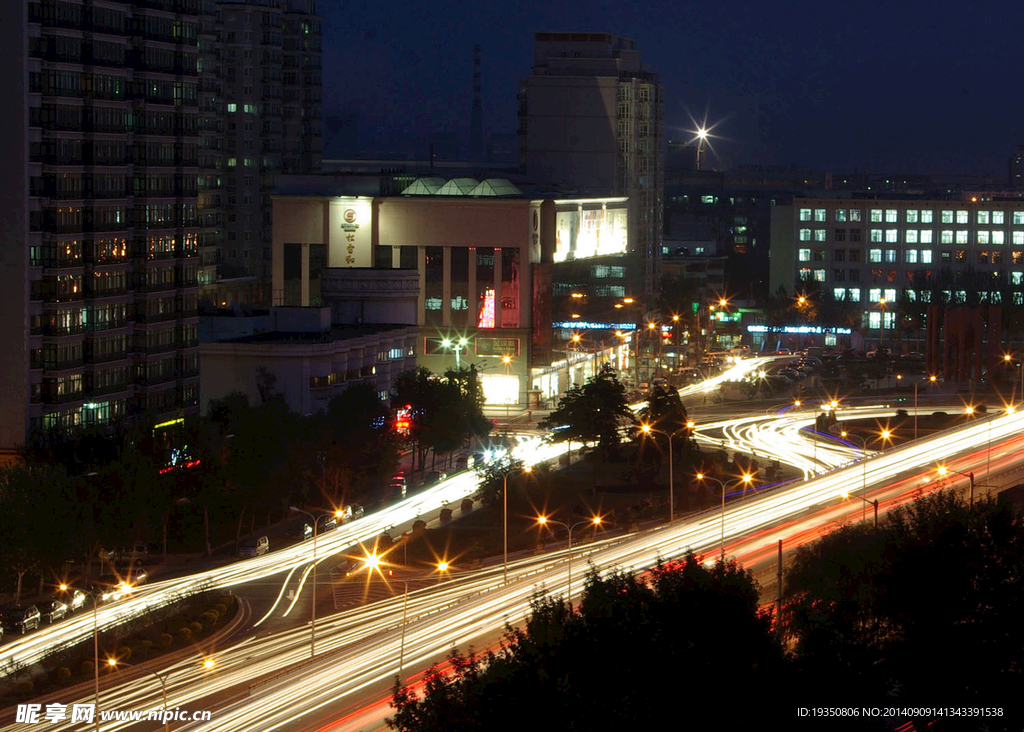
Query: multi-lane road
(358, 650)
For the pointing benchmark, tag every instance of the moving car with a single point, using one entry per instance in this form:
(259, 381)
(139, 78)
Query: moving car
(113, 587)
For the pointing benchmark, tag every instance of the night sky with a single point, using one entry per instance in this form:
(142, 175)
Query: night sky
(888, 87)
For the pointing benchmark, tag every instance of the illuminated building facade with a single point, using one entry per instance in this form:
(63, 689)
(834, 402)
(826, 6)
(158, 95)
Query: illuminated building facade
(99, 215)
(491, 262)
(889, 261)
(591, 119)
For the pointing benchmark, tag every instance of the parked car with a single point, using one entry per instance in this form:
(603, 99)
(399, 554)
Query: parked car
(301, 531)
(20, 619)
(254, 546)
(76, 600)
(434, 476)
(398, 487)
(53, 610)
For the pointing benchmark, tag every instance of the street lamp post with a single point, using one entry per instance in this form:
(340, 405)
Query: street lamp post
(161, 677)
(647, 429)
(544, 521)
(943, 471)
(873, 503)
(316, 522)
(864, 461)
(455, 345)
(95, 650)
(504, 520)
(441, 567)
(746, 478)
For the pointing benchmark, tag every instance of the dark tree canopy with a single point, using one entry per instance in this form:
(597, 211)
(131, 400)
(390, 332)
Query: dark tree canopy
(619, 661)
(593, 413)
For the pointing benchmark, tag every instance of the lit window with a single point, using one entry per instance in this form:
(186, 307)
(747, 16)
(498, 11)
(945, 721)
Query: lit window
(874, 255)
(998, 237)
(947, 217)
(962, 217)
(890, 255)
(1016, 278)
(946, 236)
(1018, 218)
(838, 294)
(890, 295)
(875, 235)
(1018, 238)
(926, 256)
(910, 256)
(854, 294)
(803, 255)
(876, 215)
(819, 235)
(926, 216)
(805, 234)
(232, 107)
(874, 294)
(998, 217)
(911, 236)
(911, 216)
(841, 215)
(961, 237)
(926, 236)
(819, 275)
(892, 236)
(874, 320)
(855, 214)
(820, 214)
(891, 216)
(232, 162)
(983, 237)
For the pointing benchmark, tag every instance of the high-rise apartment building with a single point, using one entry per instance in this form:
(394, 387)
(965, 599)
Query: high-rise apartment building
(98, 242)
(591, 119)
(263, 119)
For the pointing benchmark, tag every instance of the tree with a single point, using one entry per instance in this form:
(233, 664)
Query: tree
(592, 413)
(928, 603)
(613, 663)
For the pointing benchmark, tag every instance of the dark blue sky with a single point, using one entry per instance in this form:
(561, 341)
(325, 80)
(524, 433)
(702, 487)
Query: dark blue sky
(899, 87)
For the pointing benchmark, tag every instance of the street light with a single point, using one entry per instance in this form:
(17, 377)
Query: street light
(442, 566)
(595, 522)
(874, 503)
(504, 519)
(95, 649)
(746, 478)
(881, 325)
(863, 459)
(316, 521)
(457, 345)
(208, 664)
(647, 429)
(943, 471)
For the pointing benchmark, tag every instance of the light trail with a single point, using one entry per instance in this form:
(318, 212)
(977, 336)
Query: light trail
(359, 648)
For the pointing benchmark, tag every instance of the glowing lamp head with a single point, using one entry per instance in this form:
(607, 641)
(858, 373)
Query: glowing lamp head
(747, 477)
(700, 476)
(722, 302)
(942, 470)
(645, 428)
(886, 434)
(596, 521)
(542, 520)
(702, 134)
(506, 359)
(442, 566)
(446, 342)
(209, 663)
(372, 562)
(969, 410)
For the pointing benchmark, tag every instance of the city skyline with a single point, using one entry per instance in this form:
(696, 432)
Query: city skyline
(899, 90)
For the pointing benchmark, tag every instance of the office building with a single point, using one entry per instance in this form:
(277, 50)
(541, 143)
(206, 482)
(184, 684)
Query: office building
(591, 120)
(261, 118)
(887, 261)
(99, 211)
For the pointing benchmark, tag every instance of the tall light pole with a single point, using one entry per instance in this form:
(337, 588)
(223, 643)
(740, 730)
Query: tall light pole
(504, 519)
(863, 459)
(746, 478)
(702, 141)
(455, 345)
(208, 664)
(316, 522)
(943, 471)
(874, 503)
(647, 429)
(95, 649)
(881, 325)
(373, 562)
(595, 522)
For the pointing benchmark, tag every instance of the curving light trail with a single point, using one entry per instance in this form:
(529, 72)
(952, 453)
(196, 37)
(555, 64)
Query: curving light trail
(360, 647)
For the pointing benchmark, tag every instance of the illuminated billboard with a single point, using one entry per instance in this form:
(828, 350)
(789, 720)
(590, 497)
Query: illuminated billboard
(585, 233)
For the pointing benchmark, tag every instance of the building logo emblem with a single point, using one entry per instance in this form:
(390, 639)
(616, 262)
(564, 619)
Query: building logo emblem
(349, 215)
